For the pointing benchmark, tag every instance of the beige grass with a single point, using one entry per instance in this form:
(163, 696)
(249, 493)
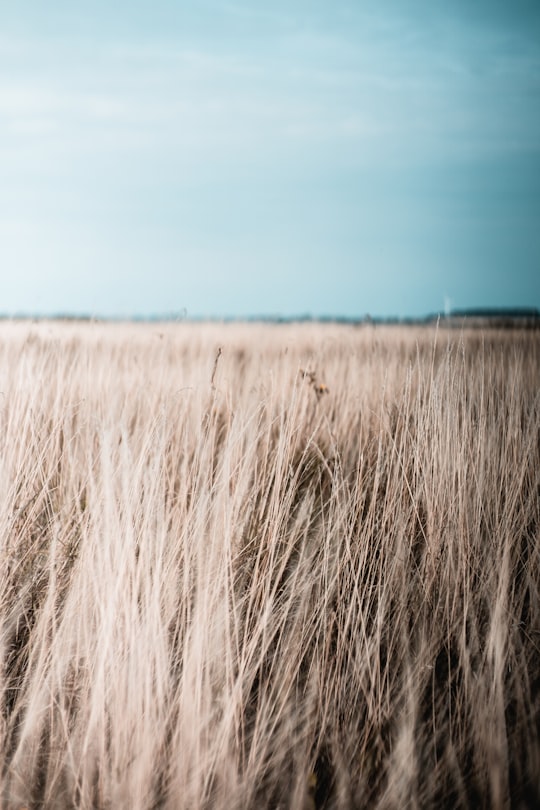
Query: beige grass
(221, 587)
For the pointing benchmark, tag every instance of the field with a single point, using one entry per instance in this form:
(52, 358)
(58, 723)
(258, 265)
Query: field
(262, 566)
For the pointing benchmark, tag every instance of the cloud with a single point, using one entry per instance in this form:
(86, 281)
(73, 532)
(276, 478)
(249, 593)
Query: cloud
(389, 85)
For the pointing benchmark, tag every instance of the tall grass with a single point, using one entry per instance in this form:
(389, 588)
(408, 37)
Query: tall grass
(222, 586)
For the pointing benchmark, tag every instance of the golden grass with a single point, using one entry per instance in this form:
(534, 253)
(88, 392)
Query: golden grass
(220, 588)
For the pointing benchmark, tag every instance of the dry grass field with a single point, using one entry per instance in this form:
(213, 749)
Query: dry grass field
(300, 573)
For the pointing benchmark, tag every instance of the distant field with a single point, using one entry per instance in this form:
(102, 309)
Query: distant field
(299, 572)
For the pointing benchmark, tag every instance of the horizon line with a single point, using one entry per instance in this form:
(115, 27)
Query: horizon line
(504, 314)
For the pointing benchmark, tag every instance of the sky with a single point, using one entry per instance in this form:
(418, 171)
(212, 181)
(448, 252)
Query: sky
(232, 158)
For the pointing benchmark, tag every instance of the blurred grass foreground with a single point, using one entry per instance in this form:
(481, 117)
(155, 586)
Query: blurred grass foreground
(269, 566)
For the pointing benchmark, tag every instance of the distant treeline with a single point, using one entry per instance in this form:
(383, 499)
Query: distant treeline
(519, 317)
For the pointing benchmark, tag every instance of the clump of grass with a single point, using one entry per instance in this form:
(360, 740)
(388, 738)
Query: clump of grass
(226, 593)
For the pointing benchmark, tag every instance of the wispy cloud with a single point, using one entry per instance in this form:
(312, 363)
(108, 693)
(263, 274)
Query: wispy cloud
(315, 86)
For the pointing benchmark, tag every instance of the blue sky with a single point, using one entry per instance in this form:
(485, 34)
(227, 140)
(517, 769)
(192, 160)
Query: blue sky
(240, 158)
